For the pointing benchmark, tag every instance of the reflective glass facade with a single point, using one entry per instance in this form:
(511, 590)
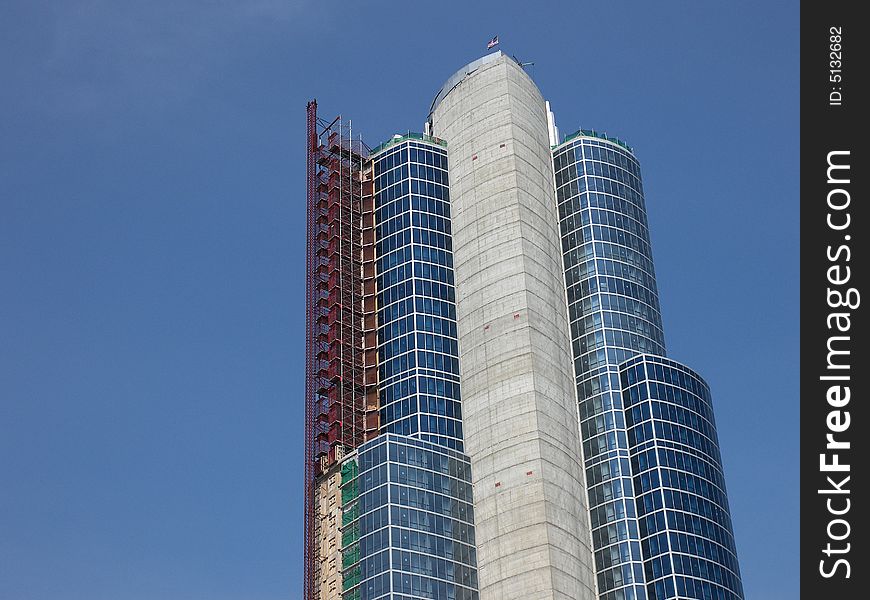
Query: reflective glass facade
(407, 516)
(407, 522)
(614, 316)
(417, 344)
(685, 527)
(395, 517)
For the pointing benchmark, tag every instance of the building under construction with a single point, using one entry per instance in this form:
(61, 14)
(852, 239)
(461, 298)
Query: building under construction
(595, 460)
(382, 357)
(341, 352)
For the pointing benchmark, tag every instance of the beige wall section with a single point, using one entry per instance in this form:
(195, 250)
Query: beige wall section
(518, 398)
(327, 534)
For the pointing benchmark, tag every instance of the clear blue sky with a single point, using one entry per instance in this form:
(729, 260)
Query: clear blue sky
(152, 268)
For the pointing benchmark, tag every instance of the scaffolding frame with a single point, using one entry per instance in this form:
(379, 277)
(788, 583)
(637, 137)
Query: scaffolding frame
(341, 396)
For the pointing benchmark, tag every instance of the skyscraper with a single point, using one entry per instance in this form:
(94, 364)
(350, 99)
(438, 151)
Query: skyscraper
(519, 404)
(489, 409)
(659, 512)
(389, 515)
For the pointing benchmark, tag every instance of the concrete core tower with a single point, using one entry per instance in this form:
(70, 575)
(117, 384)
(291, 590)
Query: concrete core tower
(519, 399)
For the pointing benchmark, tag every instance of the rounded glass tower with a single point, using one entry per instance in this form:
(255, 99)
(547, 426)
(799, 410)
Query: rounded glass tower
(682, 507)
(418, 351)
(640, 515)
(614, 314)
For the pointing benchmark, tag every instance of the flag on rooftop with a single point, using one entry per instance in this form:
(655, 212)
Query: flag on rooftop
(492, 43)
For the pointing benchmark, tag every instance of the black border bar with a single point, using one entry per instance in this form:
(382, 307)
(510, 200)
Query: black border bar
(835, 368)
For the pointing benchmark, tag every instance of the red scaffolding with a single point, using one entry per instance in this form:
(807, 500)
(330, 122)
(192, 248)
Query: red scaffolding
(341, 405)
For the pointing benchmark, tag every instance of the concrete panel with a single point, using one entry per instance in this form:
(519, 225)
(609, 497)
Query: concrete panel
(518, 396)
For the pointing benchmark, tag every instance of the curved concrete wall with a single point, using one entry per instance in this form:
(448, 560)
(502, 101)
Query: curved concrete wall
(518, 398)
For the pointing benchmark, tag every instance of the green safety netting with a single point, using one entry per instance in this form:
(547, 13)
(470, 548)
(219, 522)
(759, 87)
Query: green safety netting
(349, 492)
(349, 556)
(349, 487)
(349, 470)
(350, 579)
(349, 535)
(349, 514)
(352, 595)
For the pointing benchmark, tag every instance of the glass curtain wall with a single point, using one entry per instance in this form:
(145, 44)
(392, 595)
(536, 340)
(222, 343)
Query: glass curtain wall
(613, 310)
(409, 522)
(407, 513)
(417, 343)
(661, 528)
(685, 523)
